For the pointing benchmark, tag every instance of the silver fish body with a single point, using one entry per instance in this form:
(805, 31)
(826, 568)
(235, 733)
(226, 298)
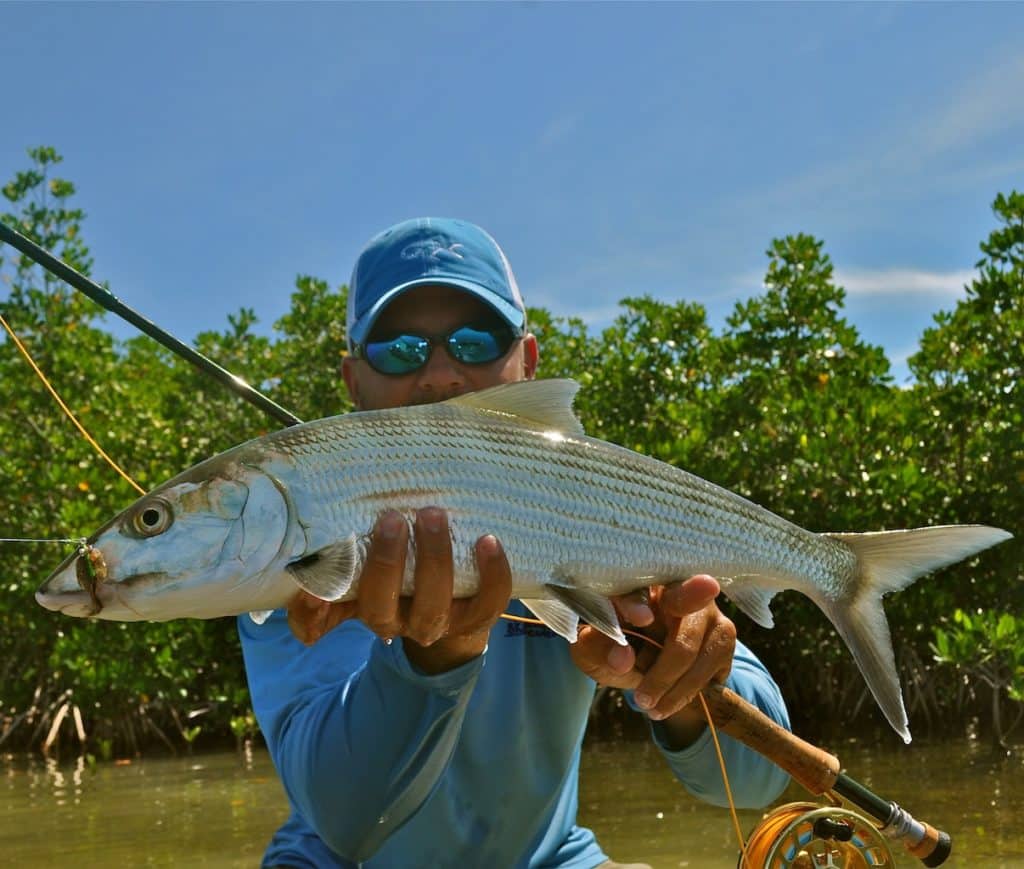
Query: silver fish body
(580, 520)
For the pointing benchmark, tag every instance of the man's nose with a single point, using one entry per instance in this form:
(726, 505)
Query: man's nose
(441, 373)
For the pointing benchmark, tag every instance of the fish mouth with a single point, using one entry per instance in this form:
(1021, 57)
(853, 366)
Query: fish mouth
(78, 604)
(104, 601)
(74, 588)
(81, 587)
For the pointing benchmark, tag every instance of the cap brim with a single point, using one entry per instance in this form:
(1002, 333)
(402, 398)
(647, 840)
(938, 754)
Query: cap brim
(508, 312)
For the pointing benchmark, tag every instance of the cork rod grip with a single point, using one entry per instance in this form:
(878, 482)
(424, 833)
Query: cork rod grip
(814, 768)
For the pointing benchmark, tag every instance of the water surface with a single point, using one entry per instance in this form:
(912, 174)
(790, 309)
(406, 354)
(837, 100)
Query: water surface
(218, 810)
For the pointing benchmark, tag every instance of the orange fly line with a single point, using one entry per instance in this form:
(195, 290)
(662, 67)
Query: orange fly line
(92, 441)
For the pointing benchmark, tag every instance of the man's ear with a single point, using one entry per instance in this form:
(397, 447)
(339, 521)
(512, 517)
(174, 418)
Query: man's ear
(531, 355)
(350, 374)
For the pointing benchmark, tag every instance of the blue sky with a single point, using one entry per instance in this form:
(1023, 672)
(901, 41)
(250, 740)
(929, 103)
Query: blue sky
(613, 149)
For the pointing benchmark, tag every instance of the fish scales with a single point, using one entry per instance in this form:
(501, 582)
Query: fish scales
(556, 471)
(559, 499)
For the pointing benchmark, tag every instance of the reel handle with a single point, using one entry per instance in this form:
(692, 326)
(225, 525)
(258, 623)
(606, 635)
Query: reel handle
(820, 772)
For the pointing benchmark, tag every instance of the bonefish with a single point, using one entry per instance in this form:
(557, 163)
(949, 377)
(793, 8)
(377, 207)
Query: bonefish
(580, 519)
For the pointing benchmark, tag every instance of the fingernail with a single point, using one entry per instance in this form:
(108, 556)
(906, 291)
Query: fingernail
(644, 701)
(640, 614)
(432, 520)
(655, 715)
(619, 659)
(390, 525)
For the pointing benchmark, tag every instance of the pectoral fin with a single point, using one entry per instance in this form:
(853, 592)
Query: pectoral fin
(328, 573)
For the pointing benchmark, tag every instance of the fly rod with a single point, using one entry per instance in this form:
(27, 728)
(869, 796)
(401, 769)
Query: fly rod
(820, 773)
(108, 300)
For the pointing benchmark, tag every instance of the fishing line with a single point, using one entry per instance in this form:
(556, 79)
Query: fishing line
(102, 296)
(707, 716)
(77, 541)
(725, 779)
(66, 409)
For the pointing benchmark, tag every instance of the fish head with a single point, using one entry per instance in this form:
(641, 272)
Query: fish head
(182, 551)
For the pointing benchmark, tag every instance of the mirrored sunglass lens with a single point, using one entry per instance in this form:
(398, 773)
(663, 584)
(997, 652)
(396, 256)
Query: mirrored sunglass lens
(398, 355)
(475, 346)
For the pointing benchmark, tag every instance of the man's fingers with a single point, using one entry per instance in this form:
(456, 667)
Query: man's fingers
(604, 660)
(701, 652)
(635, 608)
(672, 665)
(683, 598)
(310, 617)
(471, 618)
(306, 617)
(479, 612)
(428, 615)
(380, 583)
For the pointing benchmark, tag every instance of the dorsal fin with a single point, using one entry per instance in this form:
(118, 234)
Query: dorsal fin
(544, 403)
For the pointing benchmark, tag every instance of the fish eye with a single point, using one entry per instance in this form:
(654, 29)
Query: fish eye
(154, 518)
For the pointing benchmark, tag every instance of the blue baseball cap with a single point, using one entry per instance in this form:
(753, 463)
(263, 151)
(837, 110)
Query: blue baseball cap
(430, 251)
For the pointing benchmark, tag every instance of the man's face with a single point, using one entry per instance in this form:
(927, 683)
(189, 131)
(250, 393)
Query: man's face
(434, 311)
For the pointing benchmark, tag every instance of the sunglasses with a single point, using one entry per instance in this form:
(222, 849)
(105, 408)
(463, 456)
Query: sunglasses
(406, 352)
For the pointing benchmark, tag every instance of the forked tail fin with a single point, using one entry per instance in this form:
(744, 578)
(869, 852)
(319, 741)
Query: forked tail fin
(889, 561)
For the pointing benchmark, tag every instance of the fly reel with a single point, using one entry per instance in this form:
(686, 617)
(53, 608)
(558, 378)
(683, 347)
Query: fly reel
(809, 836)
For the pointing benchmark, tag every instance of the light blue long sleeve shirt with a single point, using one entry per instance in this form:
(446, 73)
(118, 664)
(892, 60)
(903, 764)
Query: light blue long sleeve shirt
(385, 766)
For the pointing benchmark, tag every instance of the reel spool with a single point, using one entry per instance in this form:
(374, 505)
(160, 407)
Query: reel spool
(808, 836)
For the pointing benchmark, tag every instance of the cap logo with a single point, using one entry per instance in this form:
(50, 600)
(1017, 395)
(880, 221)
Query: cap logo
(432, 250)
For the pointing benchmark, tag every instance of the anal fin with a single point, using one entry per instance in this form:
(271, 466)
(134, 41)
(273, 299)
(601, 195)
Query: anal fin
(751, 599)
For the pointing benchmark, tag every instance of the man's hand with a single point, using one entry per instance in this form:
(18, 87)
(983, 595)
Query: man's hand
(698, 645)
(439, 632)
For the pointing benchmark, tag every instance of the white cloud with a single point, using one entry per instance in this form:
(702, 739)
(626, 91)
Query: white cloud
(901, 281)
(598, 317)
(942, 136)
(866, 283)
(988, 103)
(597, 312)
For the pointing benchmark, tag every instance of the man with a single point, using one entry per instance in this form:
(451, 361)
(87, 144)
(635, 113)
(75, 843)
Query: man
(423, 730)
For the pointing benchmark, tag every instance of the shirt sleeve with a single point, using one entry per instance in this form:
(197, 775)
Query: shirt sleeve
(352, 709)
(753, 779)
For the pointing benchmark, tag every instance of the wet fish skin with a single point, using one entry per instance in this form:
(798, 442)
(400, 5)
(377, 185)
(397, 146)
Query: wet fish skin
(580, 519)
